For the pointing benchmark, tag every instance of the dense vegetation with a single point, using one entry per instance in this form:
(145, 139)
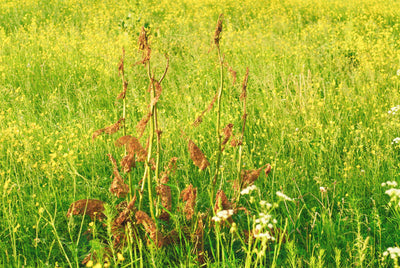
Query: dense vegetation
(322, 101)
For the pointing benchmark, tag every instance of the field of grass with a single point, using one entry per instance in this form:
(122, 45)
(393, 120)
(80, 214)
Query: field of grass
(321, 105)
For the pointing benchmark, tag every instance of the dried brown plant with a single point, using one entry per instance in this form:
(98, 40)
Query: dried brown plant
(123, 216)
(133, 147)
(227, 133)
(141, 126)
(118, 186)
(248, 177)
(243, 95)
(222, 202)
(199, 119)
(123, 93)
(108, 130)
(197, 156)
(91, 207)
(189, 196)
(218, 30)
(144, 47)
(164, 191)
(150, 227)
(199, 240)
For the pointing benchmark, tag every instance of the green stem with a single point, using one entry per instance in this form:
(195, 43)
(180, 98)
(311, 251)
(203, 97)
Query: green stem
(219, 138)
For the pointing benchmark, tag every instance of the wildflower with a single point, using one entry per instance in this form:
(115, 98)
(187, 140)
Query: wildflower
(393, 193)
(89, 263)
(322, 189)
(233, 228)
(396, 140)
(120, 257)
(97, 265)
(248, 190)
(393, 252)
(398, 72)
(389, 183)
(283, 196)
(223, 215)
(394, 109)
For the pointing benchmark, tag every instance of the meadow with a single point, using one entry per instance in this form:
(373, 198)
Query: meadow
(294, 165)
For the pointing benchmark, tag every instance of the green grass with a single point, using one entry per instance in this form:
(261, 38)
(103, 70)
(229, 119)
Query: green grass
(322, 80)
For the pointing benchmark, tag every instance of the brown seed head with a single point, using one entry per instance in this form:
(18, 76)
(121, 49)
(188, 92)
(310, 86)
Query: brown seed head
(221, 202)
(91, 207)
(150, 227)
(227, 133)
(118, 187)
(108, 130)
(189, 196)
(244, 85)
(141, 126)
(197, 156)
(218, 30)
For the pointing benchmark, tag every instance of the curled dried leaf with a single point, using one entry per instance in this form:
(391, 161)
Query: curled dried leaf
(197, 156)
(189, 196)
(118, 187)
(91, 207)
(150, 227)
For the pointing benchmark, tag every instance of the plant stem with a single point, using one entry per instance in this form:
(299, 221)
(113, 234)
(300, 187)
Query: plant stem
(219, 138)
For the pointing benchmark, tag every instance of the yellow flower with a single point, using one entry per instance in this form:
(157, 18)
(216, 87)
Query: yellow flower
(89, 263)
(120, 257)
(98, 265)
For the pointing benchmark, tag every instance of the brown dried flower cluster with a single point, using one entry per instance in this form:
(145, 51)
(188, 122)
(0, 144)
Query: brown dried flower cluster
(199, 240)
(199, 119)
(158, 90)
(227, 133)
(133, 147)
(144, 46)
(123, 93)
(248, 177)
(118, 186)
(243, 95)
(141, 126)
(150, 227)
(189, 196)
(108, 130)
(164, 191)
(218, 30)
(197, 156)
(222, 202)
(123, 216)
(232, 72)
(91, 207)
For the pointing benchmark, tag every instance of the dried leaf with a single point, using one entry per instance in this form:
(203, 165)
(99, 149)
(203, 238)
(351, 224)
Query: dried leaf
(91, 207)
(197, 156)
(118, 187)
(189, 196)
(150, 227)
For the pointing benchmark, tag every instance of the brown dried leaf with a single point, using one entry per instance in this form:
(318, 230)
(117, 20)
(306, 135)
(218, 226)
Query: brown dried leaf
(91, 207)
(189, 196)
(118, 187)
(141, 126)
(158, 90)
(197, 156)
(150, 227)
